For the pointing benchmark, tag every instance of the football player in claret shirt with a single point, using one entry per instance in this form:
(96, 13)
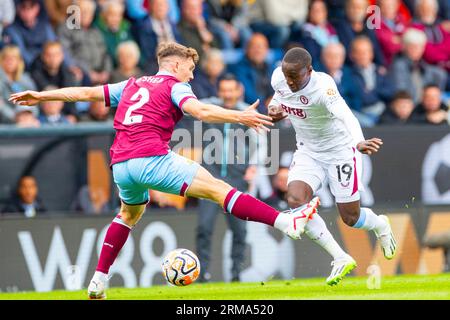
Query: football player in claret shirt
(148, 109)
(329, 145)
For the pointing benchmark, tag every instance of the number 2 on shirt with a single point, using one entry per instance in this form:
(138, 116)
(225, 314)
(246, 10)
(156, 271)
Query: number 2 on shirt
(144, 97)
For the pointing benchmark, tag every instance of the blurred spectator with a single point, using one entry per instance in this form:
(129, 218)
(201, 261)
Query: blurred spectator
(7, 15)
(97, 112)
(51, 112)
(49, 70)
(332, 60)
(30, 31)
(114, 28)
(26, 117)
(128, 56)
(255, 72)
(12, 79)
(431, 110)
(237, 174)
(91, 200)
(399, 111)
(372, 81)
(410, 72)
(355, 25)
(194, 29)
(317, 32)
(26, 199)
(154, 29)
(393, 25)
(86, 46)
(229, 19)
(139, 9)
(57, 11)
(437, 49)
(274, 19)
(206, 77)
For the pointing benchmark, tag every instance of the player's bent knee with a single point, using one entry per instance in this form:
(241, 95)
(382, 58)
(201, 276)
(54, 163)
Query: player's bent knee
(349, 218)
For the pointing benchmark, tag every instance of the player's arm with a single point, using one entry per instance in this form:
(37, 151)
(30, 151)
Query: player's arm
(69, 94)
(216, 114)
(337, 106)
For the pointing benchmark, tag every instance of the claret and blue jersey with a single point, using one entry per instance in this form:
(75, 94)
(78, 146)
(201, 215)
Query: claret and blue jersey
(148, 108)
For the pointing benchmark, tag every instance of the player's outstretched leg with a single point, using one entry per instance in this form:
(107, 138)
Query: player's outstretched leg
(246, 207)
(115, 238)
(366, 219)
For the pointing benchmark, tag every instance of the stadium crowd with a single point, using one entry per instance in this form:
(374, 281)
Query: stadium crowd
(391, 62)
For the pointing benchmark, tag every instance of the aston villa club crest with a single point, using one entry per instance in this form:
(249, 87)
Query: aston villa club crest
(304, 99)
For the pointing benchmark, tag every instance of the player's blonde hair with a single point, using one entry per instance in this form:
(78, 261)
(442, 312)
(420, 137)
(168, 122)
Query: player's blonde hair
(170, 49)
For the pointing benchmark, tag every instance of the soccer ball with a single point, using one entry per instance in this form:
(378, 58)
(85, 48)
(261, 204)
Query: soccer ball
(181, 267)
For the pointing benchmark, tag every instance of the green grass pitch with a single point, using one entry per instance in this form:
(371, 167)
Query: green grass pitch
(404, 287)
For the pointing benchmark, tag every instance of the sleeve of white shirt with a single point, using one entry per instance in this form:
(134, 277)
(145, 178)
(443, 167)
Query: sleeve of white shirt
(339, 108)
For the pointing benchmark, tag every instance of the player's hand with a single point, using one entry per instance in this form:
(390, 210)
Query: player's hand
(25, 98)
(369, 146)
(276, 113)
(253, 119)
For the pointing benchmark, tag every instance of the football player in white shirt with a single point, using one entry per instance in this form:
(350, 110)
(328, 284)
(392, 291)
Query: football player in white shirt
(329, 145)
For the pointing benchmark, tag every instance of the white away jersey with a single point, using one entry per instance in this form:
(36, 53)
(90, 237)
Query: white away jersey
(324, 125)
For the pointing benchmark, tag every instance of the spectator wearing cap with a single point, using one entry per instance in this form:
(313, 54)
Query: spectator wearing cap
(13, 79)
(399, 110)
(431, 110)
(26, 117)
(354, 24)
(114, 28)
(410, 72)
(372, 81)
(254, 71)
(86, 46)
(155, 28)
(30, 31)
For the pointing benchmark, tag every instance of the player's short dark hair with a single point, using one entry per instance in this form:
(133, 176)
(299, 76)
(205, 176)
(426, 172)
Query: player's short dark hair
(298, 56)
(169, 49)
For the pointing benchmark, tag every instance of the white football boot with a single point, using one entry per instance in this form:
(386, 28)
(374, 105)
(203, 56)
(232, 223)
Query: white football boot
(300, 217)
(97, 286)
(341, 267)
(387, 239)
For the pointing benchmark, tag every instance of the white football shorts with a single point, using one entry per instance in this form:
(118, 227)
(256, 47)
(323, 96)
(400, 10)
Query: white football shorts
(344, 177)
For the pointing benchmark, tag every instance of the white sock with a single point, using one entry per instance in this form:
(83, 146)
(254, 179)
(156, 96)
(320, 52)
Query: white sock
(282, 221)
(368, 220)
(317, 231)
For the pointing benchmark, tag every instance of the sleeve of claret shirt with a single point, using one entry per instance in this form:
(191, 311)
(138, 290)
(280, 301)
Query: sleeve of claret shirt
(181, 92)
(339, 108)
(113, 92)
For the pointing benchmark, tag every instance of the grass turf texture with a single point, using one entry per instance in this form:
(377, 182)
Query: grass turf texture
(436, 287)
